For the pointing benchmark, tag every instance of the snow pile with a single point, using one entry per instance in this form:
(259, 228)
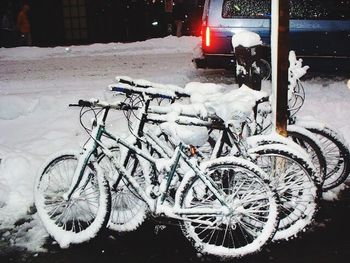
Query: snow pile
(30, 234)
(197, 51)
(152, 46)
(12, 107)
(333, 194)
(16, 187)
(246, 39)
(193, 135)
(230, 104)
(199, 91)
(328, 100)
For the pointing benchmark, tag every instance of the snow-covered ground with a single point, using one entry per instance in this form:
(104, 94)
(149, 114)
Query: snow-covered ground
(37, 84)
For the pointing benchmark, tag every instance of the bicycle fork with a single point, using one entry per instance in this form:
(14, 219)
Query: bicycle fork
(83, 162)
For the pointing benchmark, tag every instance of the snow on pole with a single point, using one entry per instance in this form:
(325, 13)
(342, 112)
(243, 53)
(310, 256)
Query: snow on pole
(279, 56)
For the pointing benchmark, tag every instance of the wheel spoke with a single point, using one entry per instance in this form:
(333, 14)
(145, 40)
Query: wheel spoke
(248, 197)
(74, 215)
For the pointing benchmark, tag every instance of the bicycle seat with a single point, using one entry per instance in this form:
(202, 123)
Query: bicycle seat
(229, 105)
(190, 135)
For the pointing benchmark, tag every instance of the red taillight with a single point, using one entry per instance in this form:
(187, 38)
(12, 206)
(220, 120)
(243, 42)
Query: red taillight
(207, 36)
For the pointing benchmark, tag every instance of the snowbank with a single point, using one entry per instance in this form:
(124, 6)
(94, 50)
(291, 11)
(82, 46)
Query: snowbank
(165, 45)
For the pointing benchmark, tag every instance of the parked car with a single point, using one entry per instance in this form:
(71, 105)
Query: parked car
(319, 31)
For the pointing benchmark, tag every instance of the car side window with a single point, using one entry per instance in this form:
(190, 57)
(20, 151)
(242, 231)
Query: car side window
(299, 9)
(246, 9)
(320, 9)
(311, 9)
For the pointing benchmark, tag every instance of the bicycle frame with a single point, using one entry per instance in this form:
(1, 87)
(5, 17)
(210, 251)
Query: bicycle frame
(154, 114)
(234, 141)
(158, 204)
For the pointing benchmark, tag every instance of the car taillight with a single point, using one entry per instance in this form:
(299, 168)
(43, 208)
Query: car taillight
(207, 36)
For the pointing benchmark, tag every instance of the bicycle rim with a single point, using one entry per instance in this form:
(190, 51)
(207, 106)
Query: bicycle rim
(248, 228)
(80, 217)
(295, 187)
(337, 157)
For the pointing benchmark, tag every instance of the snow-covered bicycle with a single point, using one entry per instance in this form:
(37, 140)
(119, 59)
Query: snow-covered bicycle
(289, 168)
(326, 147)
(225, 206)
(335, 149)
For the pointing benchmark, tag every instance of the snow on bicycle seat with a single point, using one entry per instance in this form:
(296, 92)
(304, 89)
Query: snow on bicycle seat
(201, 91)
(232, 104)
(142, 83)
(188, 134)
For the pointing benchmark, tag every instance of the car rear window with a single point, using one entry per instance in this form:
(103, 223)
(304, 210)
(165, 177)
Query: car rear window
(299, 9)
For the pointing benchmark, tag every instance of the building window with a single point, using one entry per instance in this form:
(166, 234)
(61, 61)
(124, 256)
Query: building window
(74, 15)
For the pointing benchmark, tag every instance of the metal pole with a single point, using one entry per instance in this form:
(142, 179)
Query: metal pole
(280, 63)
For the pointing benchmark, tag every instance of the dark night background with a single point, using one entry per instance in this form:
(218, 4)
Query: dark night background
(66, 22)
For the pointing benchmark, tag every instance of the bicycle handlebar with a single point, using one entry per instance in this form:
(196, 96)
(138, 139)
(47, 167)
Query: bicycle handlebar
(132, 83)
(159, 87)
(150, 92)
(97, 103)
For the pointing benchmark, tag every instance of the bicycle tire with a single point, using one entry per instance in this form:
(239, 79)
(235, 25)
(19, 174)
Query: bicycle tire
(337, 155)
(313, 148)
(79, 218)
(293, 180)
(128, 211)
(253, 222)
(304, 142)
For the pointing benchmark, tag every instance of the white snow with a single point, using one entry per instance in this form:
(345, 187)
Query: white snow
(229, 104)
(246, 39)
(194, 135)
(37, 84)
(153, 46)
(333, 194)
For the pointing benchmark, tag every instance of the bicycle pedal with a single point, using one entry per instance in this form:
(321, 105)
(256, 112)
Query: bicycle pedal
(154, 191)
(154, 195)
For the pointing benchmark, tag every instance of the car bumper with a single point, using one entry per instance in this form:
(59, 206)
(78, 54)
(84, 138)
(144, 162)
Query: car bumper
(316, 63)
(215, 61)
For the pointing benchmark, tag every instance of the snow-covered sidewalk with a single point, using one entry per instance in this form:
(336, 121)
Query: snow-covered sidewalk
(37, 84)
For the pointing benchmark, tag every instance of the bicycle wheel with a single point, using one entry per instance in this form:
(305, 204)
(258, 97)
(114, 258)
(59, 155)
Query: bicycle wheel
(311, 145)
(128, 210)
(253, 219)
(292, 177)
(337, 155)
(305, 143)
(80, 217)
